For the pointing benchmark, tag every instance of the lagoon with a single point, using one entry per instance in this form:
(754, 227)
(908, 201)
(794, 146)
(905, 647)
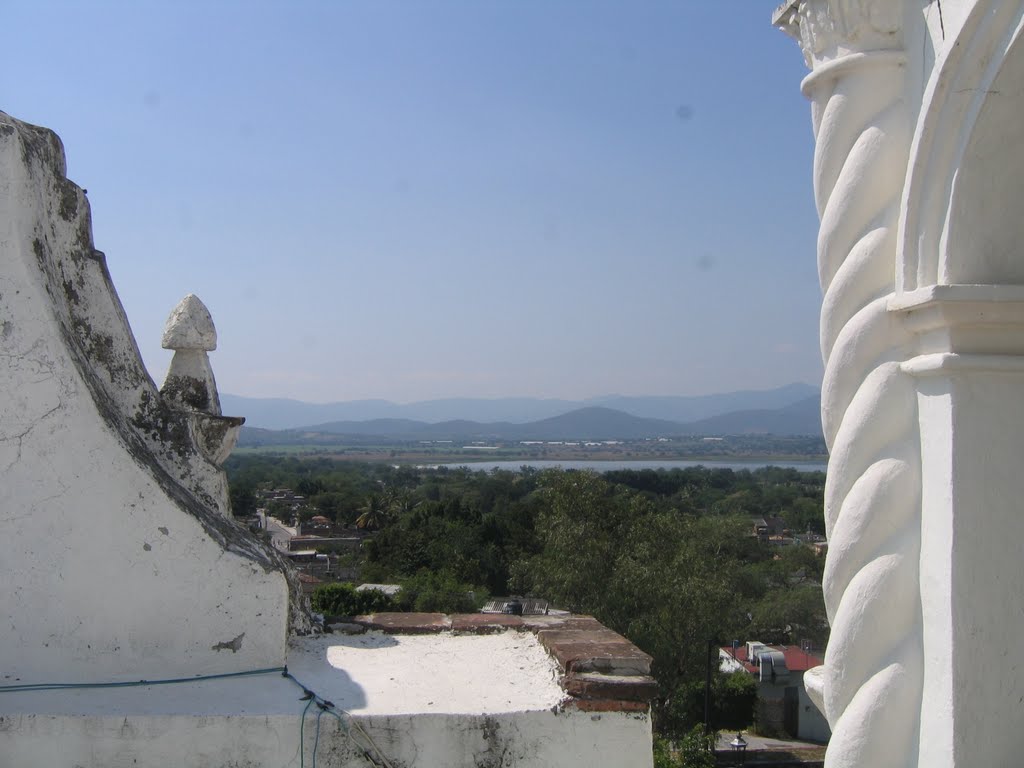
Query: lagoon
(611, 466)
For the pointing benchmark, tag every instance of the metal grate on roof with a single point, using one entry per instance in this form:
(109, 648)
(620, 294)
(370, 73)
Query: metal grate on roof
(530, 606)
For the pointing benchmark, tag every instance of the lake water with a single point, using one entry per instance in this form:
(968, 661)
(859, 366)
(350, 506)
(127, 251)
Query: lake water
(610, 466)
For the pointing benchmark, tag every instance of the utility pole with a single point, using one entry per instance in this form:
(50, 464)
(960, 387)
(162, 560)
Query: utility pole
(712, 646)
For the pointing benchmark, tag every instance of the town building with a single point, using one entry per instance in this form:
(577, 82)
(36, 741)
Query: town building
(783, 706)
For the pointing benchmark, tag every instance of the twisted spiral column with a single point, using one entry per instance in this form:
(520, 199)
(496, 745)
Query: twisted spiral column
(870, 686)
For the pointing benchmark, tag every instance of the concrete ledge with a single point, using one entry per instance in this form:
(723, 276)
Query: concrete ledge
(485, 623)
(595, 650)
(592, 685)
(479, 623)
(406, 623)
(608, 705)
(538, 623)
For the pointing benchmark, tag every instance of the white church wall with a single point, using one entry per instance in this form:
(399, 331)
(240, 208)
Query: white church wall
(121, 560)
(921, 331)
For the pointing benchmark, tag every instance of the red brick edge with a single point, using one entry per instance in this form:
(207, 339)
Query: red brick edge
(601, 670)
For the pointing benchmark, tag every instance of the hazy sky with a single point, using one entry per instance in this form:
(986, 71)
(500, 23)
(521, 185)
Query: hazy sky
(433, 198)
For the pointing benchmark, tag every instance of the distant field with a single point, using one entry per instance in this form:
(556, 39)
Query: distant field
(745, 448)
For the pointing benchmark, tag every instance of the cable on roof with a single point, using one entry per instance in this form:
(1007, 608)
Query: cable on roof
(24, 687)
(309, 696)
(348, 723)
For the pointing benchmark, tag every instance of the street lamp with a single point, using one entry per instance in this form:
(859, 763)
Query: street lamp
(739, 749)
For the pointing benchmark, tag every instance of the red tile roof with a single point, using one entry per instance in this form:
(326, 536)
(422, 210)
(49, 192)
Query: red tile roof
(797, 659)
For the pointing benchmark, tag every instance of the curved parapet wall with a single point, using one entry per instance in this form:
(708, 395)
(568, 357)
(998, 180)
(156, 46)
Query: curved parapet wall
(121, 559)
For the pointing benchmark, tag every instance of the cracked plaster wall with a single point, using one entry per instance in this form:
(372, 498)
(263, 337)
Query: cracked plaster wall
(120, 558)
(567, 739)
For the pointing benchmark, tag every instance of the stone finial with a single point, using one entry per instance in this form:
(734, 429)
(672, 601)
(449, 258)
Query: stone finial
(190, 333)
(190, 384)
(190, 326)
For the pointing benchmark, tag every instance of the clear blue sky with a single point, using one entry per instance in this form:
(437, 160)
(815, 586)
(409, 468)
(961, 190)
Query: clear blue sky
(433, 198)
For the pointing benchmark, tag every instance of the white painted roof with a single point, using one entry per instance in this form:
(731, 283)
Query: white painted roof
(372, 674)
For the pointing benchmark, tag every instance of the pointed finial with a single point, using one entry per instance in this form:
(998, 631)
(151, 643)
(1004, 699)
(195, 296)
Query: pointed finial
(190, 385)
(190, 326)
(190, 333)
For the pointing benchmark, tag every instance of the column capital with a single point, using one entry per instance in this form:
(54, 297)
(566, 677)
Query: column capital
(829, 29)
(965, 321)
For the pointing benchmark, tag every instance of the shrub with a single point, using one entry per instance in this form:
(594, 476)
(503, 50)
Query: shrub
(733, 704)
(429, 591)
(344, 600)
(693, 750)
(734, 699)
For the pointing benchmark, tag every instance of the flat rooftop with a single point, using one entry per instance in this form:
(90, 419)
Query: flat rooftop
(445, 673)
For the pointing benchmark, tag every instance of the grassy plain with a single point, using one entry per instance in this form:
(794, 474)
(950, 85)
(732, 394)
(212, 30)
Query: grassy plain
(753, 448)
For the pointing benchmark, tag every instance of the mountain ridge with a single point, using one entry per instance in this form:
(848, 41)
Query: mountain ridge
(285, 413)
(589, 423)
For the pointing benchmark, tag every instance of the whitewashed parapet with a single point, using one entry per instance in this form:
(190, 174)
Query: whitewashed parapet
(122, 559)
(870, 686)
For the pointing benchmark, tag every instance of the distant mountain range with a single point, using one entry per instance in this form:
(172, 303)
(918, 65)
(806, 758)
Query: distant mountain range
(798, 416)
(294, 414)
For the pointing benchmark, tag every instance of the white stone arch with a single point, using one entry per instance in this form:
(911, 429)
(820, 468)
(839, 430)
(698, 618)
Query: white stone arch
(960, 295)
(923, 336)
(958, 209)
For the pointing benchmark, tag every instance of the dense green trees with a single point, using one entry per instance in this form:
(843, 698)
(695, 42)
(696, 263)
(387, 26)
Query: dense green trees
(672, 582)
(667, 558)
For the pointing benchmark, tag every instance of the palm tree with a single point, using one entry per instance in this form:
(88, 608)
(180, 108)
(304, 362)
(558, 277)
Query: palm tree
(373, 514)
(401, 504)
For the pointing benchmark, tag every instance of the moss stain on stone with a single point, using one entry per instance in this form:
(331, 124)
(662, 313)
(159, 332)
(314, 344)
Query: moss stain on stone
(187, 390)
(39, 249)
(156, 419)
(70, 292)
(68, 200)
(41, 145)
(234, 645)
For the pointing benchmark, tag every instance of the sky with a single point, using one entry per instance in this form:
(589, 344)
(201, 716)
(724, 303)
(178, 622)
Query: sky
(442, 198)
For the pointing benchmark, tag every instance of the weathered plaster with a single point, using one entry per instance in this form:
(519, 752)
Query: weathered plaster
(519, 740)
